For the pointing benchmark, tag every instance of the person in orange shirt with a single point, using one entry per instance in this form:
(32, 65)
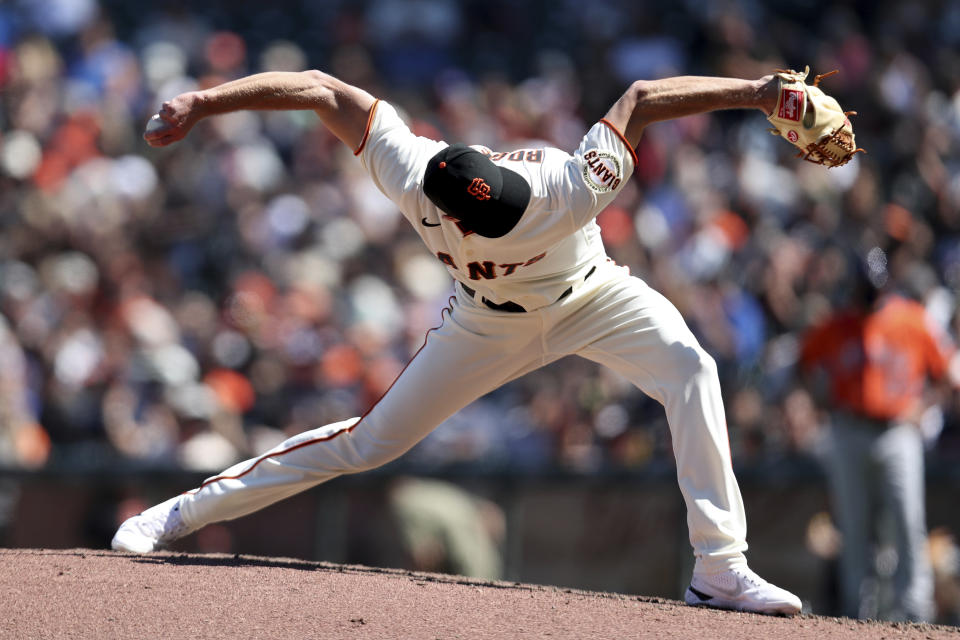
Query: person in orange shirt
(871, 364)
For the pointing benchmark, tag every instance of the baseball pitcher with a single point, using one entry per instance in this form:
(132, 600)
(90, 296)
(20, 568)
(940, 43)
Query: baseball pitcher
(516, 230)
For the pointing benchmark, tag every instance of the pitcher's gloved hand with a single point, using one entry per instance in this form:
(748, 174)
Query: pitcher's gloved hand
(812, 121)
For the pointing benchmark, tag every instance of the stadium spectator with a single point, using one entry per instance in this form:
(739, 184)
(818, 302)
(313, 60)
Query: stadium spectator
(870, 363)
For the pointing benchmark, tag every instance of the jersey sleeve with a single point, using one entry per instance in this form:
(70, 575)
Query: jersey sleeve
(396, 158)
(592, 177)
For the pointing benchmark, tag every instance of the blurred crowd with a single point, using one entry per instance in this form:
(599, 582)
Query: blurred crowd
(191, 306)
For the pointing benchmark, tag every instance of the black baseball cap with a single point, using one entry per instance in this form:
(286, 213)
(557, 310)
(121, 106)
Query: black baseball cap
(468, 186)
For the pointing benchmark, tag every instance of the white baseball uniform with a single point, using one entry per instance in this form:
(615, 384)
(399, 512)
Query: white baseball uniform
(567, 298)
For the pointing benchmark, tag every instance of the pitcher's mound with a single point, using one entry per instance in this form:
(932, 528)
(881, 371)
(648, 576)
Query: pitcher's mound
(82, 593)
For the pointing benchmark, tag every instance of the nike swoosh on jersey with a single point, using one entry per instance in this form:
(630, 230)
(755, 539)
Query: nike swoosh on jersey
(424, 222)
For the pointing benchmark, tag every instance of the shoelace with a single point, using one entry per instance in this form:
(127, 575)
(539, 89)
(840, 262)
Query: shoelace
(749, 577)
(174, 532)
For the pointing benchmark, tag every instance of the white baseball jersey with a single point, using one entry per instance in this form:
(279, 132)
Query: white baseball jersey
(554, 244)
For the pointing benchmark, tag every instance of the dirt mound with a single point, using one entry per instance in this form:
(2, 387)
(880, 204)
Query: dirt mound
(83, 593)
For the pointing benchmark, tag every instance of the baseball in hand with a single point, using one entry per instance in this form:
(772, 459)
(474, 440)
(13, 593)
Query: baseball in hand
(155, 123)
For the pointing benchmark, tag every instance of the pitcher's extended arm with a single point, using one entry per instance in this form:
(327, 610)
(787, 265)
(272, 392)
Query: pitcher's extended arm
(648, 101)
(343, 108)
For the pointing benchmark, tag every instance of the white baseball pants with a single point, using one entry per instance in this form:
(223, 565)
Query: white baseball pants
(611, 318)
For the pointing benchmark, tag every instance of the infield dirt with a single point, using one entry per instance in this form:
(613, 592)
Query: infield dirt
(85, 593)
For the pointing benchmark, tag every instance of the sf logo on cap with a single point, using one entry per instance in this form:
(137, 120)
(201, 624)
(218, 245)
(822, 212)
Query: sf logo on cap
(479, 189)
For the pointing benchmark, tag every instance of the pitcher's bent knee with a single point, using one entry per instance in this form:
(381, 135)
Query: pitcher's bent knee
(360, 451)
(372, 460)
(707, 365)
(691, 361)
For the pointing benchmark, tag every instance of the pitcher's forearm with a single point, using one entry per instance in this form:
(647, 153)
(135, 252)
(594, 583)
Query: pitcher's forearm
(343, 108)
(274, 90)
(648, 101)
(689, 95)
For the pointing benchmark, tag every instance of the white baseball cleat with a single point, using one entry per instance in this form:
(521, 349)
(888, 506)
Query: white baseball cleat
(156, 527)
(741, 589)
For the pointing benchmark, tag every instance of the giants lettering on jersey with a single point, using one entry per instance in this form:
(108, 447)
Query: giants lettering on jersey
(487, 269)
(601, 171)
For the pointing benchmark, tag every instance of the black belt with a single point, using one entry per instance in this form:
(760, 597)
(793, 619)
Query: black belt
(512, 307)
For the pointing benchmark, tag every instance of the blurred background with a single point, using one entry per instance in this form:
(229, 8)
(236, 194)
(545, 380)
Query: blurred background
(165, 313)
